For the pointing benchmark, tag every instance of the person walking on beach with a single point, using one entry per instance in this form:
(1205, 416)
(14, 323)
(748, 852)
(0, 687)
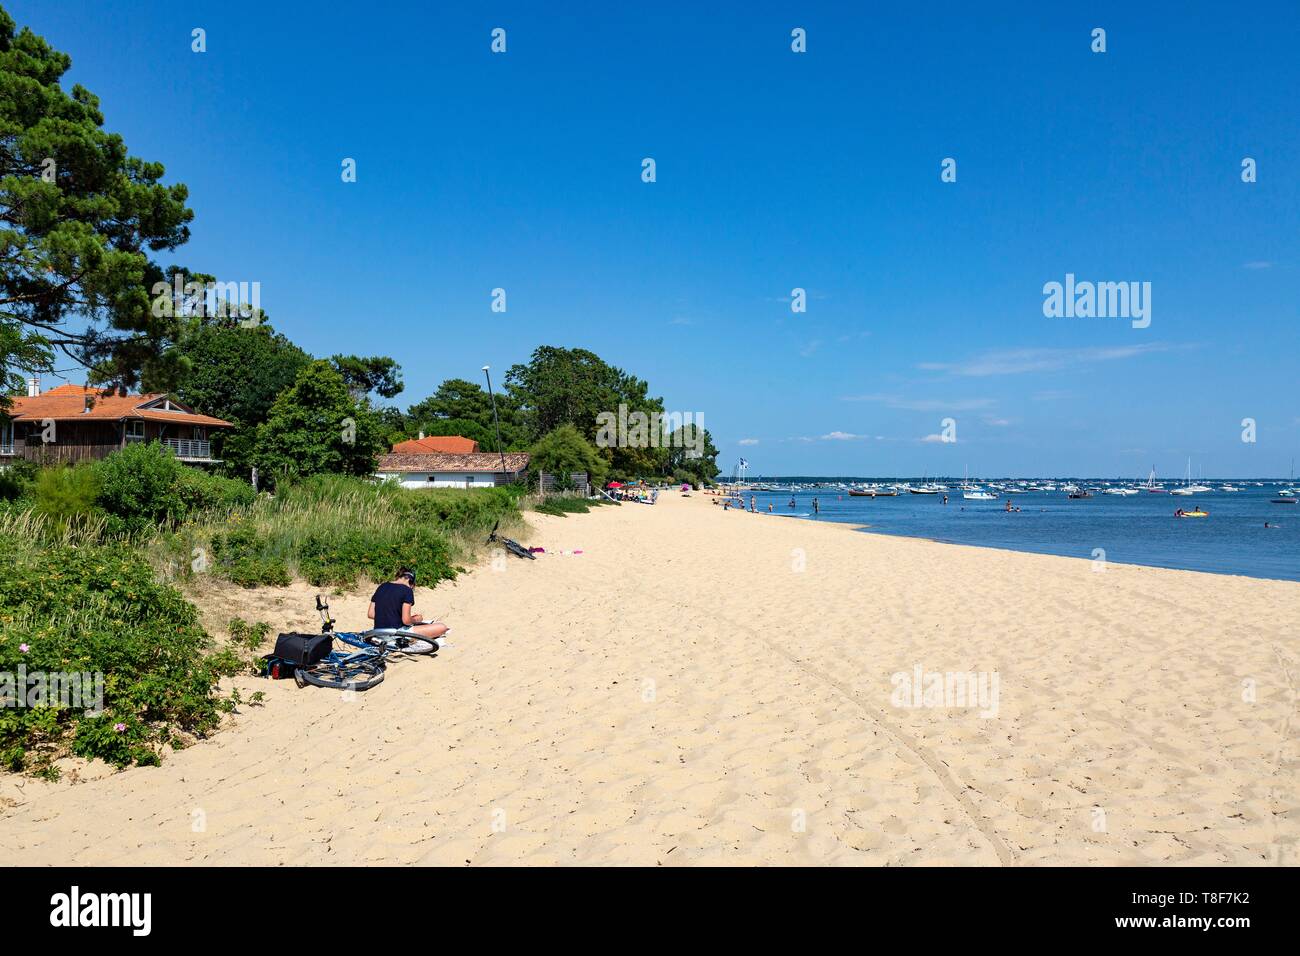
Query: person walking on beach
(752, 508)
(769, 507)
(816, 507)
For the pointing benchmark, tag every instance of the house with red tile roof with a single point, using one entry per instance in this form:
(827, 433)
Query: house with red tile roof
(73, 423)
(436, 445)
(441, 470)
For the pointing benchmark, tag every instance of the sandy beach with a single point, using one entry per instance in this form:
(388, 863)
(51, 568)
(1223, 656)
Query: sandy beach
(701, 687)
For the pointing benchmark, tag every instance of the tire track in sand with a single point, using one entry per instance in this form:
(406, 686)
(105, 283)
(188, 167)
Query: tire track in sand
(937, 767)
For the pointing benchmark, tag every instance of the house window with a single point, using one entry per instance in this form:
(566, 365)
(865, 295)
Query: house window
(197, 433)
(135, 429)
(469, 479)
(6, 437)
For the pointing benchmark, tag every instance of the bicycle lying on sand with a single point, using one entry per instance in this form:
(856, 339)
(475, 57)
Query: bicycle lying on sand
(510, 544)
(364, 667)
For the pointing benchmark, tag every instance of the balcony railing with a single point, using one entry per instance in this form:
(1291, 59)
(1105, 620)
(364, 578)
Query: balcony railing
(189, 447)
(6, 448)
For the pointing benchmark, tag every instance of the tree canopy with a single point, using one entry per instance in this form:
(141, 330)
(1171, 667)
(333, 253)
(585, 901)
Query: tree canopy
(79, 219)
(316, 426)
(458, 401)
(377, 373)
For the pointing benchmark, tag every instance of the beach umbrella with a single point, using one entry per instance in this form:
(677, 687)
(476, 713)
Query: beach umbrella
(615, 484)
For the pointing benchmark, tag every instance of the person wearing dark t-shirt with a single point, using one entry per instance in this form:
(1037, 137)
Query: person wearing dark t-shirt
(390, 606)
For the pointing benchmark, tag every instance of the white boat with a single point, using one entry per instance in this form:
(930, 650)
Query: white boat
(978, 496)
(1187, 487)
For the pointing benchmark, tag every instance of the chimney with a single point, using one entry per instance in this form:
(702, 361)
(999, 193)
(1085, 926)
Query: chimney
(33, 387)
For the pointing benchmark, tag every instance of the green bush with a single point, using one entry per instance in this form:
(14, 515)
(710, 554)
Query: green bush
(201, 491)
(65, 496)
(97, 609)
(340, 557)
(565, 451)
(565, 505)
(17, 479)
(239, 556)
(139, 488)
(334, 531)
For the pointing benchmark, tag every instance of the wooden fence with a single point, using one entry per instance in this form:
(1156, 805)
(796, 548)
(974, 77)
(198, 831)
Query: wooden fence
(546, 483)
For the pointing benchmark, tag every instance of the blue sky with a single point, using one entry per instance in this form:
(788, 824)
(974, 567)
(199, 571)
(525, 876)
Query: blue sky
(775, 170)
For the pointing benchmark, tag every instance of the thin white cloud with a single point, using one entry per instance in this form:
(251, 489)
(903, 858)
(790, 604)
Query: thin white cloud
(1019, 361)
(748, 441)
(1258, 264)
(810, 348)
(830, 436)
(924, 404)
(931, 438)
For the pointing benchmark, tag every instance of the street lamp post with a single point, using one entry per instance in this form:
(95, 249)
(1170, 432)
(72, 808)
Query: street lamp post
(496, 422)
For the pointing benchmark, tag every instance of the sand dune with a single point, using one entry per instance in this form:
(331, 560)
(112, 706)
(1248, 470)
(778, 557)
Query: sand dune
(709, 687)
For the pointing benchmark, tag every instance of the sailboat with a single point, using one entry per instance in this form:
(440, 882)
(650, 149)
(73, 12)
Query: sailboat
(971, 492)
(1186, 488)
(1197, 488)
(1151, 485)
(1287, 495)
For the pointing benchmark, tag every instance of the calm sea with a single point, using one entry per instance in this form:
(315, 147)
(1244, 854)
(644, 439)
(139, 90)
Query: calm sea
(1140, 529)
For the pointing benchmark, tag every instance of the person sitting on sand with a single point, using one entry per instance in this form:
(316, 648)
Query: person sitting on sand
(390, 606)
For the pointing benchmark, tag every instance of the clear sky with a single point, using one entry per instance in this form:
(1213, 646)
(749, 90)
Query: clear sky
(775, 170)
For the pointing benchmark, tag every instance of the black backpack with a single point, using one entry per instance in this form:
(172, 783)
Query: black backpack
(303, 650)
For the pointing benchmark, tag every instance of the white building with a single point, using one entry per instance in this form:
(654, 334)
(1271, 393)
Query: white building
(443, 470)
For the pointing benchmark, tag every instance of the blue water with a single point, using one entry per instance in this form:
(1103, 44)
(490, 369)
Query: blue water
(1132, 530)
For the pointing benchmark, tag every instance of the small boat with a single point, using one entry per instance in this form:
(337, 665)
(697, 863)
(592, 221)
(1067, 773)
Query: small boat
(1187, 487)
(978, 496)
(862, 493)
(922, 491)
(1080, 493)
(1198, 513)
(1151, 485)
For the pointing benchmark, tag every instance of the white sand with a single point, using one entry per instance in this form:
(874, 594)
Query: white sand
(682, 692)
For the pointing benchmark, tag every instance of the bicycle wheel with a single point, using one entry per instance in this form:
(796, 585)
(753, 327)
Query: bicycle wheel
(516, 548)
(358, 675)
(404, 645)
